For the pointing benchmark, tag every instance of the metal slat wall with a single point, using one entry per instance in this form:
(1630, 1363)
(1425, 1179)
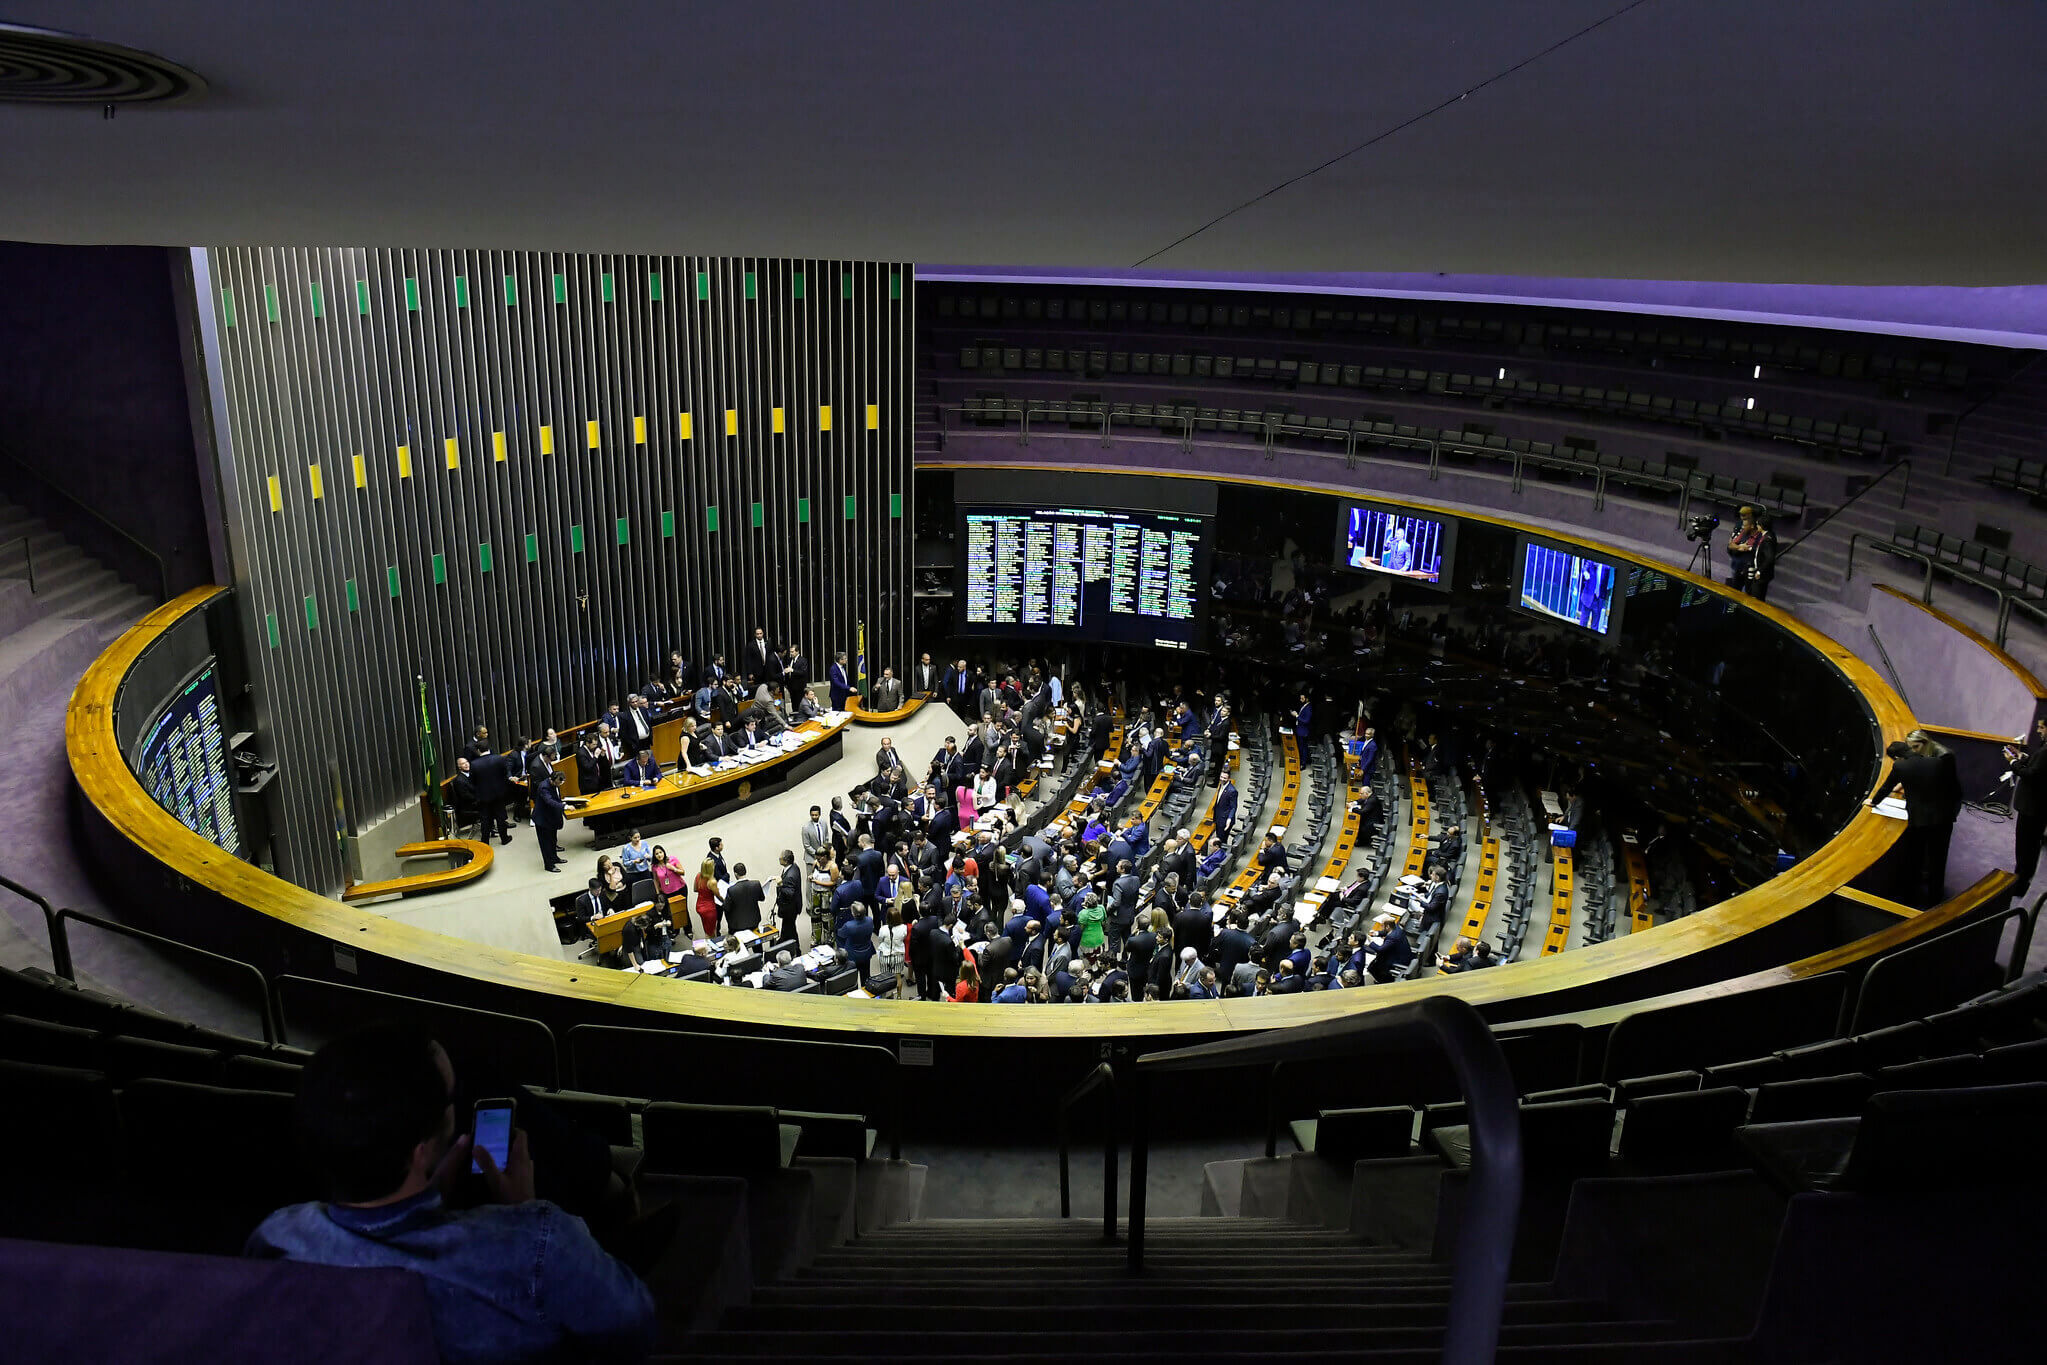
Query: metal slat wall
(444, 429)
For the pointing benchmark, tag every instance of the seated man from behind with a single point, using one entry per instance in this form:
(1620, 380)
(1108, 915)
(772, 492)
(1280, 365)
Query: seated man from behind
(511, 1280)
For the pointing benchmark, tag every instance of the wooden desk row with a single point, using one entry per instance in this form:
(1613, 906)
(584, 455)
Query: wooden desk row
(1418, 823)
(1639, 917)
(1488, 879)
(1560, 884)
(1110, 757)
(1206, 828)
(615, 800)
(1283, 816)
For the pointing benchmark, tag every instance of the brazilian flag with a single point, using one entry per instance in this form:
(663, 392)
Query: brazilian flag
(860, 664)
(429, 764)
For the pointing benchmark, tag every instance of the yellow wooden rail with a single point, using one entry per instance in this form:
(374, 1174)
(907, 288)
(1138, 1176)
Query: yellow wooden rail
(475, 865)
(103, 777)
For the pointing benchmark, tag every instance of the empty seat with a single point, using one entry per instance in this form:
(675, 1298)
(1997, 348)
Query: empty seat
(1815, 1097)
(715, 1139)
(1685, 1130)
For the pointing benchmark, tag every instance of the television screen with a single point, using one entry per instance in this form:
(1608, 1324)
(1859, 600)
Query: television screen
(1390, 540)
(1084, 573)
(182, 760)
(1567, 586)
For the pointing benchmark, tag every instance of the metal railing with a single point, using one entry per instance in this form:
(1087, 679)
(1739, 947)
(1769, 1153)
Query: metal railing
(1442, 1023)
(60, 941)
(1102, 1078)
(1955, 433)
(60, 950)
(1860, 494)
(28, 552)
(1889, 667)
(2007, 598)
(163, 574)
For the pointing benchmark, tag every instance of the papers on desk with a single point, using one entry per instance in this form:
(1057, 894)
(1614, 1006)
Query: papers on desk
(1328, 884)
(1893, 806)
(1279, 830)
(1304, 914)
(649, 968)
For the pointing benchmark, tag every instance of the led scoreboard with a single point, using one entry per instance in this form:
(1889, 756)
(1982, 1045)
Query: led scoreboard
(182, 760)
(1084, 573)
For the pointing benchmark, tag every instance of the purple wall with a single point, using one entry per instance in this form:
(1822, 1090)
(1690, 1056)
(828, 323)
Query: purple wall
(1949, 678)
(92, 397)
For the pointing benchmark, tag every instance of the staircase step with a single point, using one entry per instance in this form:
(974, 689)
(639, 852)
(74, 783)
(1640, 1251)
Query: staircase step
(828, 1262)
(1057, 1342)
(1011, 1311)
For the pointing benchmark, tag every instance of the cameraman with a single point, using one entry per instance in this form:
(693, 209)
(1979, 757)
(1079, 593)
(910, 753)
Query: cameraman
(1742, 545)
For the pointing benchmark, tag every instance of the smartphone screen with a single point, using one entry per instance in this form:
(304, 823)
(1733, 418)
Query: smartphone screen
(493, 1133)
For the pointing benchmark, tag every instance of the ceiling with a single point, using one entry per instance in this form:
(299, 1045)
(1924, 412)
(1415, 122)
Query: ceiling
(1822, 141)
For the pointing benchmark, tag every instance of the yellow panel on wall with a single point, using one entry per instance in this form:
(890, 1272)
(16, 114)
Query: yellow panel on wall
(362, 472)
(639, 431)
(454, 450)
(591, 429)
(313, 478)
(683, 425)
(497, 446)
(824, 417)
(874, 416)
(776, 419)
(405, 462)
(732, 421)
(547, 440)
(276, 495)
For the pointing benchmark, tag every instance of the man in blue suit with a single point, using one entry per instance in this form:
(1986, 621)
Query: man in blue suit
(1303, 720)
(641, 771)
(1367, 752)
(1226, 808)
(548, 809)
(841, 688)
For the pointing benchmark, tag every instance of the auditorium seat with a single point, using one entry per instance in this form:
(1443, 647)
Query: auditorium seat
(206, 1164)
(1890, 1146)
(60, 1152)
(1690, 1130)
(715, 1139)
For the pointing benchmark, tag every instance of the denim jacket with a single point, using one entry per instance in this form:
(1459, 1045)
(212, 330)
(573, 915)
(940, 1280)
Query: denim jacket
(505, 1282)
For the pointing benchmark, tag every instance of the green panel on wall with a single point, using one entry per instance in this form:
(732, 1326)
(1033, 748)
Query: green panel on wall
(227, 307)
(576, 539)
(440, 569)
(751, 286)
(803, 509)
(895, 284)
(796, 285)
(852, 506)
(319, 303)
(354, 599)
(561, 289)
(411, 294)
(483, 556)
(756, 515)
(668, 525)
(270, 302)
(511, 291)
(391, 579)
(362, 297)
(710, 518)
(703, 286)
(532, 548)
(605, 284)
(461, 291)
(845, 284)
(625, 534)
(270, 627)
(312, 612)
(895, 505)
(654, 286)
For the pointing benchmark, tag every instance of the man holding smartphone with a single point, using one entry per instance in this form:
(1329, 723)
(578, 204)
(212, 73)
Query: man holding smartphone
(514, 1278)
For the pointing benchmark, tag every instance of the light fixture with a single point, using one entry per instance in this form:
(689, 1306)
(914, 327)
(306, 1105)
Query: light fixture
(1751, 405)
(1759, 372)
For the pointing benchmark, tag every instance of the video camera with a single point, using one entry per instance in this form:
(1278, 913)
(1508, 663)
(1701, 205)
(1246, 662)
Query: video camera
(1701, 528)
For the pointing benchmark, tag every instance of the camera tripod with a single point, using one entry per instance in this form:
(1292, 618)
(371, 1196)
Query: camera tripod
(1702, 558)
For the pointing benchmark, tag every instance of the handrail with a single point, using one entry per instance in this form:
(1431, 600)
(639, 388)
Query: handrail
(1103, 1077)
(1889, 667)
(60, 950)
(1955, 433)
(59, 937)
(163, 573)
(28, 552)
(1891, 547)
(1860, 494)
(1485, 1242)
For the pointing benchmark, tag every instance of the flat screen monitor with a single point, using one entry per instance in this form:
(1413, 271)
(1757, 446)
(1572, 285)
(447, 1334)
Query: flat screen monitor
(1559, 583)
(1391, 540)
(182, 760)
(1121, 575)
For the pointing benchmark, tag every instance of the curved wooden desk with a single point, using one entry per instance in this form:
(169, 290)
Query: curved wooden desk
(260, 917)
(682, 798)
(857, 709)
(478, 863)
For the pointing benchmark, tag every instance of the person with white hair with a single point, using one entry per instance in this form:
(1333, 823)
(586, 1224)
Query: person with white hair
(787, 974)
(1189, 970)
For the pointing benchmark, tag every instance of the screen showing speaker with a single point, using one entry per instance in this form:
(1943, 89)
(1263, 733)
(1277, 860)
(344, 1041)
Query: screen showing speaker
(182, 760)
(1564, 585)
(1391, 540)
(1121, 575)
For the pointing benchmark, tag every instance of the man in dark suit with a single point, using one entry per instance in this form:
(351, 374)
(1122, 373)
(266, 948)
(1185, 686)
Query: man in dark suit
(927, 678)
(1933, 801)
(761, 662)
(888, 692)
(788, 891)
(840, 683)
(743, 901)
(1233, 946)
(1304, 720)
(1155, 754)
(593, 769)
(1218, 744)
(1226, 808)
(1098, 735)
(641, 771)
(785, 975)
(462, 794)
(548, 815)
(2029, 806)
(725, 705)
(1194, 928)
(637, 723)
(493, 786)
(712, 747)
(795, 675)
(959, 690)
(870, 864)
(1390, 944)
(1178, 858)
(923, 947)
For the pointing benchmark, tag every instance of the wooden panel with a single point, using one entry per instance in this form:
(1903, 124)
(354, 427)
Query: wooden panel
(477, 863)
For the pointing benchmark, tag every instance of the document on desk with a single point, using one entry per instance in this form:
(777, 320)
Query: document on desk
(1893, 806)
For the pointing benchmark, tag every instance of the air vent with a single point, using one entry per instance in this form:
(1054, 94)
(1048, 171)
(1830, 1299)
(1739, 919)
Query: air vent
(39, 66)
